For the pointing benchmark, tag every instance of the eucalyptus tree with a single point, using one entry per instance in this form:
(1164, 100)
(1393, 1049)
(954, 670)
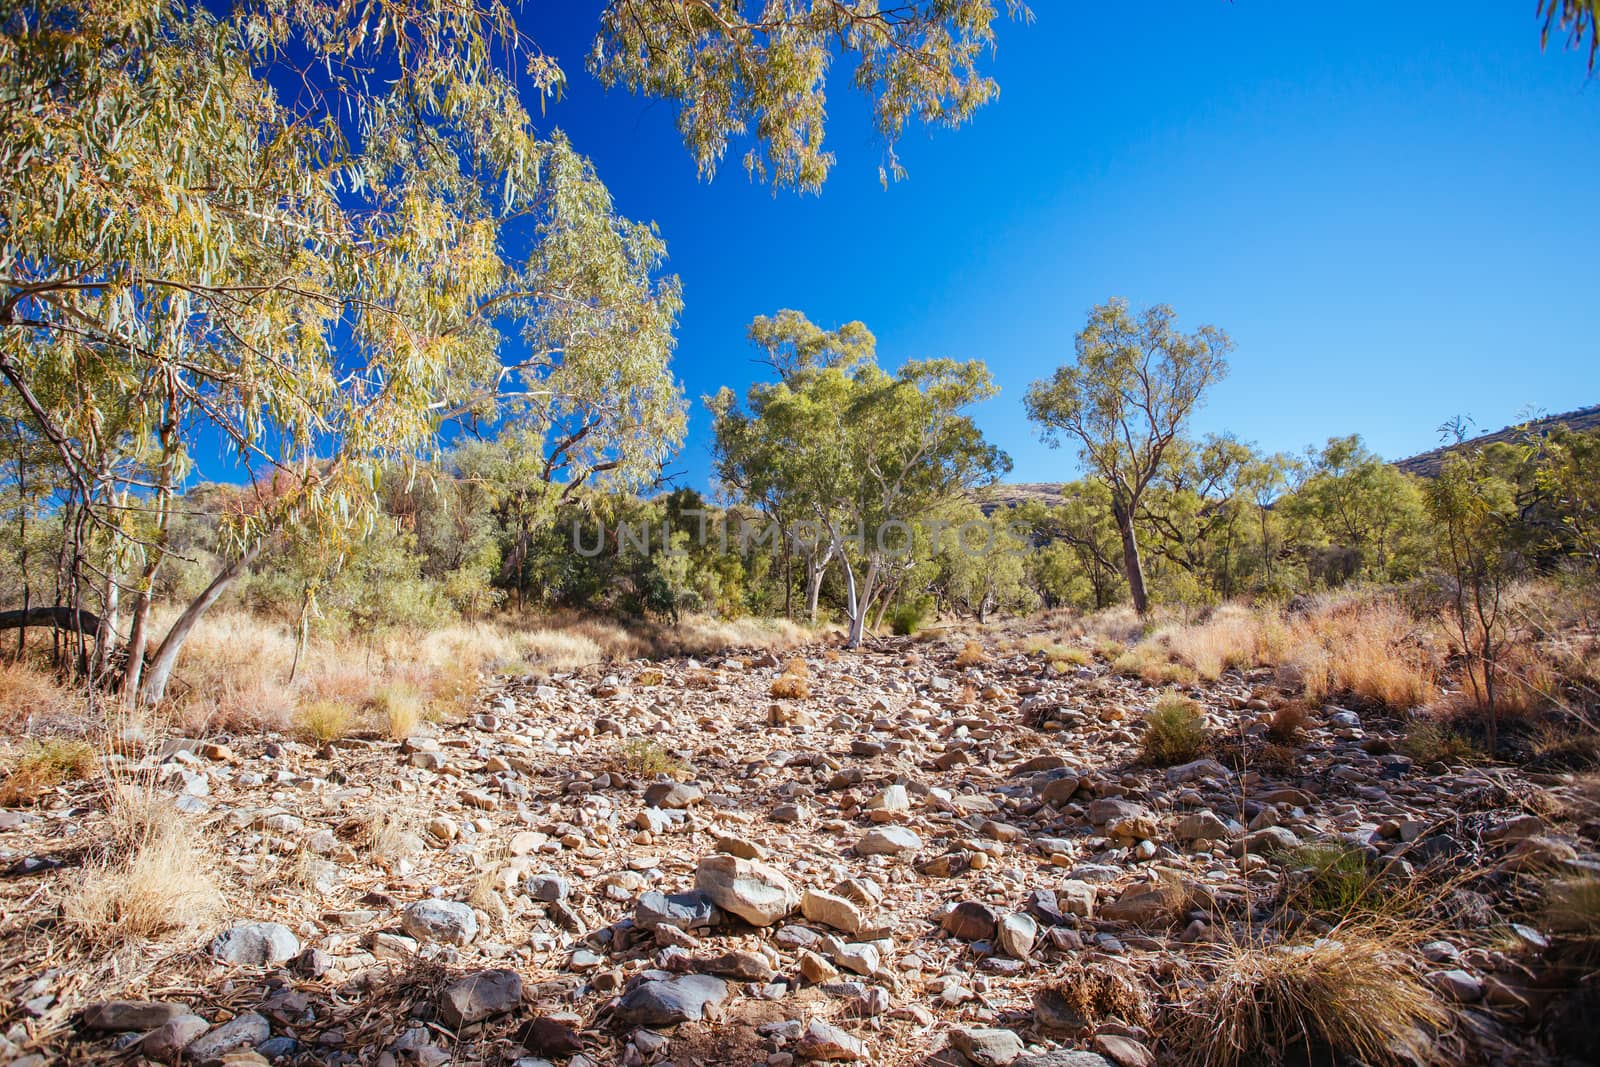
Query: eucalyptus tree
(755, 460)
(1125, 400)
(305, 230)
(859, 455)
(740, 68)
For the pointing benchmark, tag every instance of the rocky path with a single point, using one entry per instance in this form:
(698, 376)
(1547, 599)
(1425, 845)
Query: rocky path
(901, 867)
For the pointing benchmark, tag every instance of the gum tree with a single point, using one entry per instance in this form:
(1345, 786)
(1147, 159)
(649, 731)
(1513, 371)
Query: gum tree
(312, 235)
(1125, 400)
(860, 455)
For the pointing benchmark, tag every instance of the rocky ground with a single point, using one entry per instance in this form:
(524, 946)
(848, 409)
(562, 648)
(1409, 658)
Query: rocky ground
(917, 862)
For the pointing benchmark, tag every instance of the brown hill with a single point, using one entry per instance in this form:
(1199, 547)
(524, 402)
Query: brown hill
(1426, 464)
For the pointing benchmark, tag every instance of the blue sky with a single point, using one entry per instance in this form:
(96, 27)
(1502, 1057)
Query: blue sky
(1388, 206)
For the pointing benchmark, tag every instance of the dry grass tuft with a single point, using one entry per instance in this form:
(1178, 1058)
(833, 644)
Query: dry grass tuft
(1435, 744)
(1351, 994)
(1153, 663)
(790, 687)
(1288, 723)
(1572, 905)
(1332, 880)
(400, 707)
(1094, 994)
(643, 758)
(151, 880)
(971, 655)
(1175, 732)
(1062, 656)
(325, 720)
(28, 695)
(43, 766)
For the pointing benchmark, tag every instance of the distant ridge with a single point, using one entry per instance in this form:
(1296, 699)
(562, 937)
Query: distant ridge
(1427, 464)
(1424, 464)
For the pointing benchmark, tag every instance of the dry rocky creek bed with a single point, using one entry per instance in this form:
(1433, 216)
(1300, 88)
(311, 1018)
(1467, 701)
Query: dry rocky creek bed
(900, 867)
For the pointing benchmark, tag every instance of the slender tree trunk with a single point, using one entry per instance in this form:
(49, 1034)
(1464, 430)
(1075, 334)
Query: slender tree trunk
(138, 644)
(154, 687)
(105, 636)
(1131, 565)
(22, 541)
(816, 569)
(859, 600)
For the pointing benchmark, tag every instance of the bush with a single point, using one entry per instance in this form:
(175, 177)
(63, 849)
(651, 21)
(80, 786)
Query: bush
(45, 765)
(1350, 993)
(1175, 732)
(643, 758)
(1433, 743)
(325, 720)
(906, 619)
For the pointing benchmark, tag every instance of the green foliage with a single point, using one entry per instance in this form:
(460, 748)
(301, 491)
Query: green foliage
(733, 71)
(860, 454)
(1476, 537)
(982, 565)
(643, 758)
(1357, 516)
(908, 617)
(1124, 401)
(1337, 881)
(1175, 732)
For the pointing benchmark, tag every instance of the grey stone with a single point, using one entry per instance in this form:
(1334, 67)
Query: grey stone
(131, 1014)
(669, 1001)
(241, 1031)
(256, 945)
(685, 911)
(440, 920)
(478, 996)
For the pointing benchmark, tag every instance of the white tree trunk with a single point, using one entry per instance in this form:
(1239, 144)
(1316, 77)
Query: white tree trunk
(154, 686)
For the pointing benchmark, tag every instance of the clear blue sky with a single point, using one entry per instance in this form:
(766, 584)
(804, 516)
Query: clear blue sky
(1390, 207)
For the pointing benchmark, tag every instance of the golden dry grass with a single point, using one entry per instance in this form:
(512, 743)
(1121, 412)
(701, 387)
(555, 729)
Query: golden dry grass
(325, 720)
(29, 695)
(971, 655)
(1352, 992)
(643, 758)
(42, 766)
(400, 707)
(790, 687)
(151, 880)
(1572, 905)
(1365, 647)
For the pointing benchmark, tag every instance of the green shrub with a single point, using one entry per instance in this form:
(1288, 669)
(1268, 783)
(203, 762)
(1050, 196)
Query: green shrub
(643, 758)
(1175, 732)
(908, 618)
(1338, 880)
(1434, 743)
